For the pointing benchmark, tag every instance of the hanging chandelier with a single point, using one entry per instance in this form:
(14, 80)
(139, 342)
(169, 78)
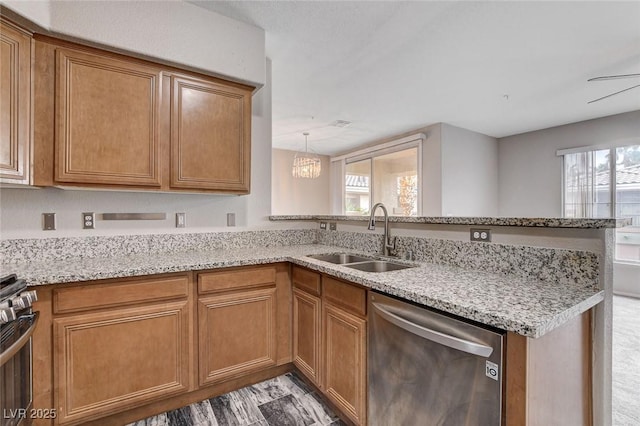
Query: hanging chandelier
(305, 164)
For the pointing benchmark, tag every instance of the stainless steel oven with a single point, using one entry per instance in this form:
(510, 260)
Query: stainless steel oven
(17, 323)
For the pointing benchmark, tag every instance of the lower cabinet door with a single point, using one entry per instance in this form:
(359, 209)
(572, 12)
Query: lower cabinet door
(237, 334)
(345, 361)
(113, 360)
(307, 335)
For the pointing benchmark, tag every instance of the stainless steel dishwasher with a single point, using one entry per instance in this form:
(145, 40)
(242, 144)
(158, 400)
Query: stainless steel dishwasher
(430, 369)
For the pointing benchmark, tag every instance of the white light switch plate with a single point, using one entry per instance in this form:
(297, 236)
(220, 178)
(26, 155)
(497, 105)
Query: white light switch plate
(181, 220)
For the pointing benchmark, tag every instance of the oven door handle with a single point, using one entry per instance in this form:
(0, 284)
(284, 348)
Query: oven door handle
(22, 340)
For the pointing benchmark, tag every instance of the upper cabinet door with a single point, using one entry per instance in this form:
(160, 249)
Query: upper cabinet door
(211, 136)
(15, 104)
(107, 120)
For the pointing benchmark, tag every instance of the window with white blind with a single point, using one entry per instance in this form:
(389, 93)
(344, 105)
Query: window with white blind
(606, 183)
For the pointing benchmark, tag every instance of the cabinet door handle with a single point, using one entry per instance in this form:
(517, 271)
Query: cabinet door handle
(433, 335)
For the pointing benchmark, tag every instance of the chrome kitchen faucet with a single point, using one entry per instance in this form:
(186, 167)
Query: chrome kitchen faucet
(388, 243)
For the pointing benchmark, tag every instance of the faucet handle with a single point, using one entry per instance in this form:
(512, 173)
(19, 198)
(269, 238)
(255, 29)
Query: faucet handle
(408, 255)
(390, 243)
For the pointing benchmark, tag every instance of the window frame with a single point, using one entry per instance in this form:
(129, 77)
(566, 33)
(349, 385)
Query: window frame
(409, 142)
(613, 202)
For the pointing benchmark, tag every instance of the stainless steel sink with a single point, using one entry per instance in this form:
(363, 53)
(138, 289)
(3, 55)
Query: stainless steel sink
(378, 266)
(340, 258)
(362, 263)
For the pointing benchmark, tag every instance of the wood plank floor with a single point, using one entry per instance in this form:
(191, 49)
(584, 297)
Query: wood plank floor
(283, 401)
(626, 361)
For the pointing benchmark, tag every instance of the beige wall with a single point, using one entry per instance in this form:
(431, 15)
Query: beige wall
(297, 196)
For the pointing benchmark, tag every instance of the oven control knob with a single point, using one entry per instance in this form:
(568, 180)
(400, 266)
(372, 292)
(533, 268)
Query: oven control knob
(33, 297)
(24, 300)
(7, 315)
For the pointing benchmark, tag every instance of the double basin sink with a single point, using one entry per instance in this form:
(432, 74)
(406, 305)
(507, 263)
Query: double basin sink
(361, 263)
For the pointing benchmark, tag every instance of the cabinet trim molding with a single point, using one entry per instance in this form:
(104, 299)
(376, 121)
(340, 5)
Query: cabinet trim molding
(16, 93)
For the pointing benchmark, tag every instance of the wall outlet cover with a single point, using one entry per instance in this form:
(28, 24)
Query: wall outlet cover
(88, 220)
(481, 235)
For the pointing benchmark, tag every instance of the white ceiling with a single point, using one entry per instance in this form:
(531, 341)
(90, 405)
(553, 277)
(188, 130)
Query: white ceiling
(498, 68)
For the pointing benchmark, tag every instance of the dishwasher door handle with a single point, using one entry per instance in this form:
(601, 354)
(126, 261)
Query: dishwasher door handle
(433, 335)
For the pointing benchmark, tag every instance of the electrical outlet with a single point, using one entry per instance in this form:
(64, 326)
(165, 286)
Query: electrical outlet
(333, 226)
(49, 221)
(323, 225)
(181, 220)
(482, 235)
(88, 220)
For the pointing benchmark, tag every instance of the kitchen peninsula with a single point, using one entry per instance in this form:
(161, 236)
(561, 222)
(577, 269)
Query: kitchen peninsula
(556, 283)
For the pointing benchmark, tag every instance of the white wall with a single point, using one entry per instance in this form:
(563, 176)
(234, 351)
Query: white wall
(39, 12)
(626, 279)
(172, 31)
(459, 172)
(432, 171)
(469, 173)
(21, 209)
(290, 196)
(530, 173)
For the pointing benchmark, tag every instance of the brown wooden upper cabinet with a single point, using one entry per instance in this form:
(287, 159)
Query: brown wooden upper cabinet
(15, 104)
(121, 122)
(107, 131)
(210, 135)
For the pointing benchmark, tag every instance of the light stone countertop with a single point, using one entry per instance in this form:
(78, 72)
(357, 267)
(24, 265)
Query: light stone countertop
(527, 307)
(526, 222)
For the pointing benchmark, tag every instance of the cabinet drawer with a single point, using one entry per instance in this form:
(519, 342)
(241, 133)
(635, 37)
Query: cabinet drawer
(119, 293)
(211, 282)
(306, 280)
(345, 295)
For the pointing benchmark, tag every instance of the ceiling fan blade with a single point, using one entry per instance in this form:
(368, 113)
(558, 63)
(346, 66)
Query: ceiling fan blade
(613, 94)
(613, 77)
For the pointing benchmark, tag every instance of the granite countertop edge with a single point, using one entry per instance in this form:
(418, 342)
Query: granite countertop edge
(527, 222)
(527, 307)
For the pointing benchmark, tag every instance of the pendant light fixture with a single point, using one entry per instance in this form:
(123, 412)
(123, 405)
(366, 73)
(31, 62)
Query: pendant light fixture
(305, 164)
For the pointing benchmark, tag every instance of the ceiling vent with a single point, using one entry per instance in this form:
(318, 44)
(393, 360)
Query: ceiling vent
(340, 123)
